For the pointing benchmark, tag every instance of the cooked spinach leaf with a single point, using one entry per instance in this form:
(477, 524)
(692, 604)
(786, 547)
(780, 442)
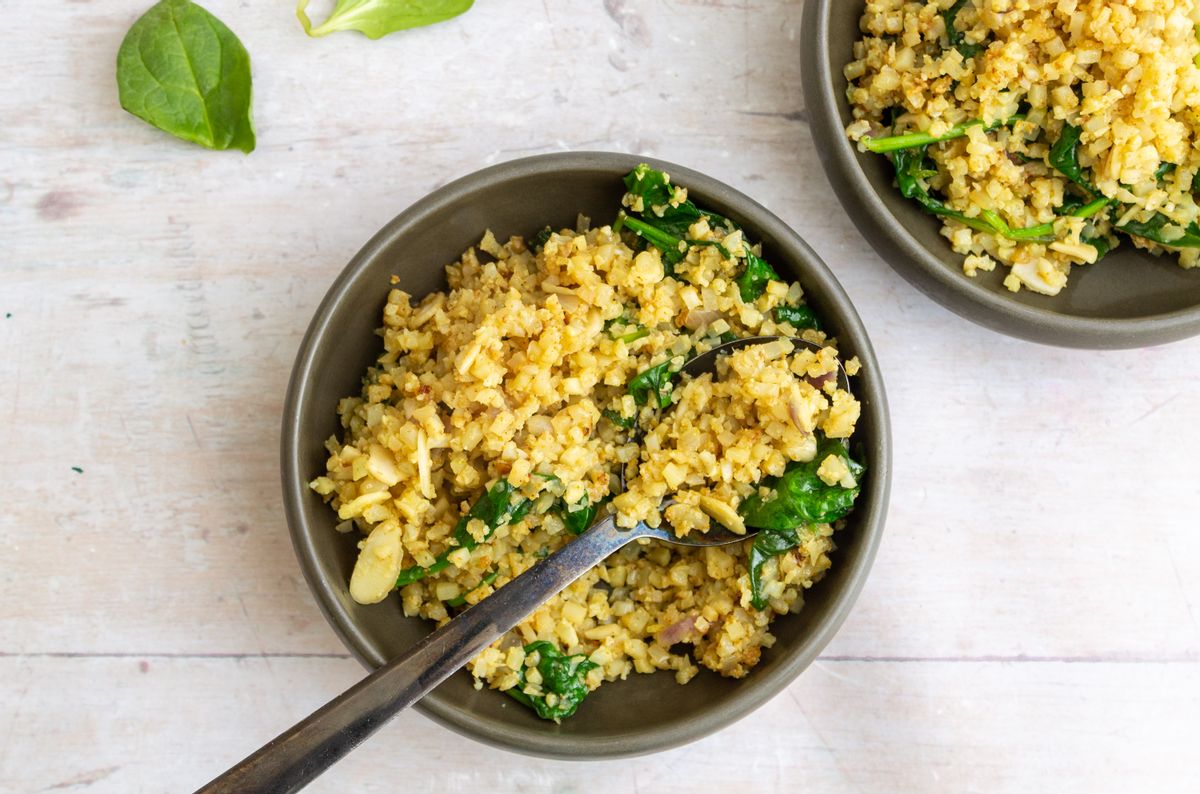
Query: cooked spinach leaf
(797, 500)
(539, 239)
(563, 682)
(623, 323)
(495, 509)
(623, 422)
(1155, 230)
(664, 205)
(910, 140)
(180, 69)
(1064, 158)
(754, 279)
(801, 497)
(579, 516)
(377, 18)
(958, 39)
(910, 175)
(459, 601)
(799, 317)
(654, 383)
(672, 248)
(661, 215)
(768, 544)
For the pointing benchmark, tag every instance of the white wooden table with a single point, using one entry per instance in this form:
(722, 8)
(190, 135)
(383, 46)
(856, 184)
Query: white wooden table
(1031, 622)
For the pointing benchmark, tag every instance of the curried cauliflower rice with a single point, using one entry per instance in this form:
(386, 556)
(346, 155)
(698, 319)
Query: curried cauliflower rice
(505, 413)
(1049, 128)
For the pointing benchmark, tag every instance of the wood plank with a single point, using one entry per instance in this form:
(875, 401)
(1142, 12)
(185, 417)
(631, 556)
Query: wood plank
(136, 724)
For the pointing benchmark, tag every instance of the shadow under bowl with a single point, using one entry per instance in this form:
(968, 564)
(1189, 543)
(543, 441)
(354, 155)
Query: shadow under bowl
(646, 712)
(1131, 298)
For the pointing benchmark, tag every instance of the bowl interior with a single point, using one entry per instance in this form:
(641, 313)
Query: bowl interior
(1128, 284)
(645, 712)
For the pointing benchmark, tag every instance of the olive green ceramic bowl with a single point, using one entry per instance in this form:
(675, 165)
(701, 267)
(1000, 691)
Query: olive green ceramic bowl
(1129, 299)
(646, 712)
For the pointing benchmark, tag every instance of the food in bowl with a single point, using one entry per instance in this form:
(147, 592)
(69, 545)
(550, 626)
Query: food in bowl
(545, 386)
(1042, 133)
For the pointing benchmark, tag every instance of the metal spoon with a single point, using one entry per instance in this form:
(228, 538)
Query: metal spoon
(299, 754)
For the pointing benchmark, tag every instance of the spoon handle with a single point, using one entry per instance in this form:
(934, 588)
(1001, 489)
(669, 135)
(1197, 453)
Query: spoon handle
(299, 754)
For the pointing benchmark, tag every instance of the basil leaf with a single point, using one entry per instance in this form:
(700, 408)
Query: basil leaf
(377, 18)
(562, 676)
(180, 69)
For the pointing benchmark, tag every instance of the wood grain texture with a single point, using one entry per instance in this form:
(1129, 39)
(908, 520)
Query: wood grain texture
(1030, 623)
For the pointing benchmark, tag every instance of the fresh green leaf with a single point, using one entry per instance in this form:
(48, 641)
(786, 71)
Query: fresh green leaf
(799, 317)
(459, 601)
(796, 501)
(655, 383)
(564, 682)
(496, 508)
(180, 69)
(910, 140)
(377, 18)
(754, 279)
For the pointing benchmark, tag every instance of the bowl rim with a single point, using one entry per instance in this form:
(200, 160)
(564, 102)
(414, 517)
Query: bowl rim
(870, 522)
(965, 297)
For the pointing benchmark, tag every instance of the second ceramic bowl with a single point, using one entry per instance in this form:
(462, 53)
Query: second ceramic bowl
(646, 712)
(1129, 299)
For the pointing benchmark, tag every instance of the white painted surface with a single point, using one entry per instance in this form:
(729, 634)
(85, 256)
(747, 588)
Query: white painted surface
(1031, 620)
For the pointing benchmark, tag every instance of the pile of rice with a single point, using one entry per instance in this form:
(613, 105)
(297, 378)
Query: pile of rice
(507, 376)
(1122, 70)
